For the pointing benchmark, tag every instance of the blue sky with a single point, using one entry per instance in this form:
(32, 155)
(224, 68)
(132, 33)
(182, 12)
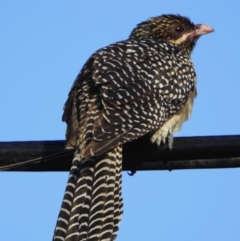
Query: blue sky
(43, 46)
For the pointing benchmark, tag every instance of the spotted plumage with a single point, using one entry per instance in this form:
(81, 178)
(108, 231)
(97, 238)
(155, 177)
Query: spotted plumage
(145, 84)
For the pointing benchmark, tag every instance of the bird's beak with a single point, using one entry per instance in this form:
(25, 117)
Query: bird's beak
(201, 29)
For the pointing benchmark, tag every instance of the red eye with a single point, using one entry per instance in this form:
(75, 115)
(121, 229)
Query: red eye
(179, 29)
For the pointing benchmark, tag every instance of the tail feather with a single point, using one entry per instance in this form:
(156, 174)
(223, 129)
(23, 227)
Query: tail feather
(111, 213)
(65, 211)
(92, 204)
(118, 201)
(99, 198)
(80, 201)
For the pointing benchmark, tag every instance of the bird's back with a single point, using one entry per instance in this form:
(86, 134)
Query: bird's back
(126, 90)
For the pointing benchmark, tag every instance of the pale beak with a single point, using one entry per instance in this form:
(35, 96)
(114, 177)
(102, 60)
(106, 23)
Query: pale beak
(201, 29)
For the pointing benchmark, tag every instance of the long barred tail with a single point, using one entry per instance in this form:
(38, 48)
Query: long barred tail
(92, 205)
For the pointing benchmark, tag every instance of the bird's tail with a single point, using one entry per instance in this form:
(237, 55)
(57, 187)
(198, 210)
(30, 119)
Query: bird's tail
(92, 205)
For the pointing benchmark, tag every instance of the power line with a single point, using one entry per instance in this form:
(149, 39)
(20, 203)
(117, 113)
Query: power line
(187, 153)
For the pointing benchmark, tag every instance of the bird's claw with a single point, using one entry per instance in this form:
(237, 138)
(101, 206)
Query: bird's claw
(162, 136)
(131, 173)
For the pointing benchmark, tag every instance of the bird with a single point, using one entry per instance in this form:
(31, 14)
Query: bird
(144, 85)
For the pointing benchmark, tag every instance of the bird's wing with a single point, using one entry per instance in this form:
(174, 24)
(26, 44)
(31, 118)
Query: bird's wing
(136, 88)
(76, 107)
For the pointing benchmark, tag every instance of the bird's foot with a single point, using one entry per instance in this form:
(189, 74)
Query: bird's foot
(131, 173)
(163, 136)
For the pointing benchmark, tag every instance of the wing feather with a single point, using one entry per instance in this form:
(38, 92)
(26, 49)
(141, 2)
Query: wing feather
(125, 91)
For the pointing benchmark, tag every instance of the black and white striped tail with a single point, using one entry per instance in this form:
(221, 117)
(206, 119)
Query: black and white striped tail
(92, 205)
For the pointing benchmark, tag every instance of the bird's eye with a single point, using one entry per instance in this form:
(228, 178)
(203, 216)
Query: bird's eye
(179, 29)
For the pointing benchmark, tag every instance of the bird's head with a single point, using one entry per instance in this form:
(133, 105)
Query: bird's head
(175, 29)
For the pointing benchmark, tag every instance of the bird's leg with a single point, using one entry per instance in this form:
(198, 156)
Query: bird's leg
(161, 135)
(165, 133)
(170, 140)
